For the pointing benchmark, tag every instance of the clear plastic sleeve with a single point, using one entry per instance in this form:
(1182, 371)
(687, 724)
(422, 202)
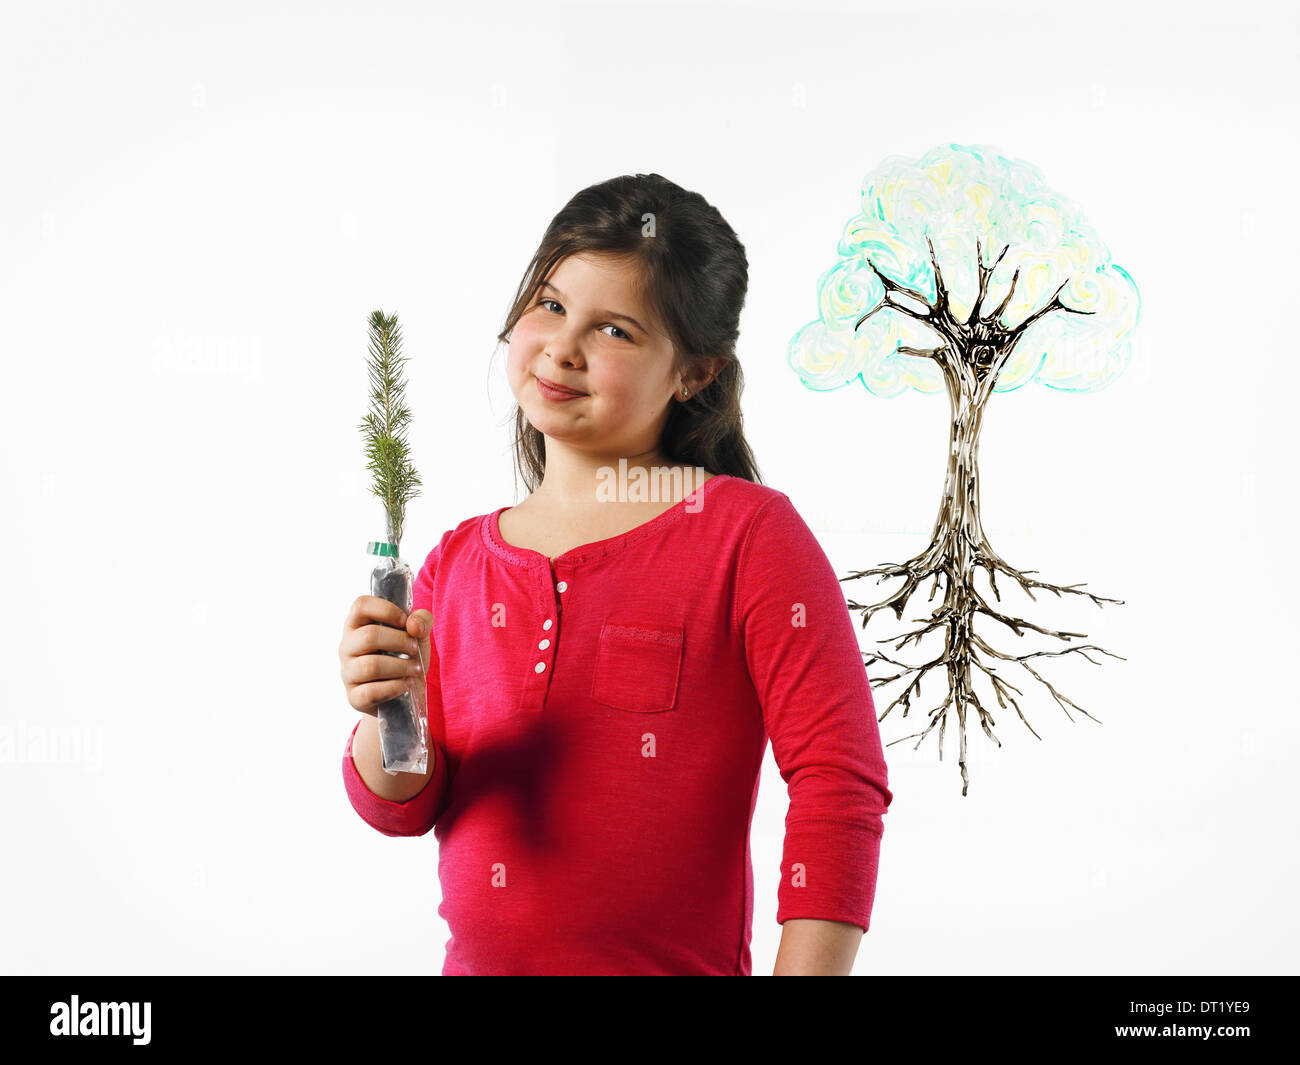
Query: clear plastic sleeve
(403, 721)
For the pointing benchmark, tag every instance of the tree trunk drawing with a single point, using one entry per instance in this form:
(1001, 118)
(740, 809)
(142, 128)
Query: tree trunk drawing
(970, 358)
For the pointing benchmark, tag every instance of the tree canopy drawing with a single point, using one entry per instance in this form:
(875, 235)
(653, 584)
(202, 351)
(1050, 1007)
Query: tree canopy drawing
(964, 272)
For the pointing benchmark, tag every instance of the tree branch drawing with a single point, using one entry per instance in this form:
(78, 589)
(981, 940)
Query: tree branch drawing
(965, 272)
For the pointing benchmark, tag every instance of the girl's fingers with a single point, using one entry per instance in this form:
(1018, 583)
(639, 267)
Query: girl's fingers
(369, 696)
(370, 609)
(366, 668)
(372, 638)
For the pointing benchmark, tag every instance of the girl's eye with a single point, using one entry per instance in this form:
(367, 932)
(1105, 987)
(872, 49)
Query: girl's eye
(544, 301)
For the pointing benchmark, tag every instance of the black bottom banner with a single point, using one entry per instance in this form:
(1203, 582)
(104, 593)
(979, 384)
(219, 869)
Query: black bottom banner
(1221, 1015)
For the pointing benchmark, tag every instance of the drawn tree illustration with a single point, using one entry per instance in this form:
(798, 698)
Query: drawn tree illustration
(965, 272)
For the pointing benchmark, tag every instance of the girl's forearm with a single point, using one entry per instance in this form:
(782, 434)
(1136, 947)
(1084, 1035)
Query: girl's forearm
(817, 948)
(368, 757)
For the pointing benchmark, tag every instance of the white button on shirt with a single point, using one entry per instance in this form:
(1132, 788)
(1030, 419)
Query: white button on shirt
(539, 667)
(561, 586)
(546, 624)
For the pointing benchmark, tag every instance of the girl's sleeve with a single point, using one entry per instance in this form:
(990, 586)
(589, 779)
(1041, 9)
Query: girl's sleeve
(420, 812)
(811, 681)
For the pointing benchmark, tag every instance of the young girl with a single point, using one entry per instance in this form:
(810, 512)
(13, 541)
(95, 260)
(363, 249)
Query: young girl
(607, 659)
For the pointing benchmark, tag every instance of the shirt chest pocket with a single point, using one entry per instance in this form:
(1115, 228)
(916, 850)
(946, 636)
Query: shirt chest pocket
(637, 667)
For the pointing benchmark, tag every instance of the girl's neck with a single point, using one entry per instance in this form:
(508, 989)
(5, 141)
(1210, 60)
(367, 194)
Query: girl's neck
(573, 483)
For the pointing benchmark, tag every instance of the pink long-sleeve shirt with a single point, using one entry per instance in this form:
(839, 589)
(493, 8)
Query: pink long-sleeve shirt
(599, 723)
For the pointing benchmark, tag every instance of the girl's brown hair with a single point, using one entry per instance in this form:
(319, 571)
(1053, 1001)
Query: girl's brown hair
(694, 273)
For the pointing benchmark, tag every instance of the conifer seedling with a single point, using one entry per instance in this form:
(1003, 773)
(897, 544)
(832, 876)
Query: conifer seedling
(403, 731)
(395, 481)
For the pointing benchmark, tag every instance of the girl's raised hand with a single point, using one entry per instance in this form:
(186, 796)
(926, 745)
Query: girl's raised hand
(374, 626)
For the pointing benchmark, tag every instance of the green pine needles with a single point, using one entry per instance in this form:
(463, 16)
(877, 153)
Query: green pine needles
(384, 428)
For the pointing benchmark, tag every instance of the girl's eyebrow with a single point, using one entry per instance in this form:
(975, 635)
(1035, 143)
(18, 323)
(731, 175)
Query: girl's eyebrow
(602, 314)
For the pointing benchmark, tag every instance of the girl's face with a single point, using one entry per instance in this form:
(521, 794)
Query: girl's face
(588, 329)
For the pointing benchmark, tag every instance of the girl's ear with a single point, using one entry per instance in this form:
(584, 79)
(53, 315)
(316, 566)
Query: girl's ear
(696, 382)
(716, 367)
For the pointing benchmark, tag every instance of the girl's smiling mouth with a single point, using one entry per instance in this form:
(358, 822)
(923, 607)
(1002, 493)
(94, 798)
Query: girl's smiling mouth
(552, 391)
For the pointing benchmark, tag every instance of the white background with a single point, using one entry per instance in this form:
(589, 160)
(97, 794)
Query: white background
(199, 208)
